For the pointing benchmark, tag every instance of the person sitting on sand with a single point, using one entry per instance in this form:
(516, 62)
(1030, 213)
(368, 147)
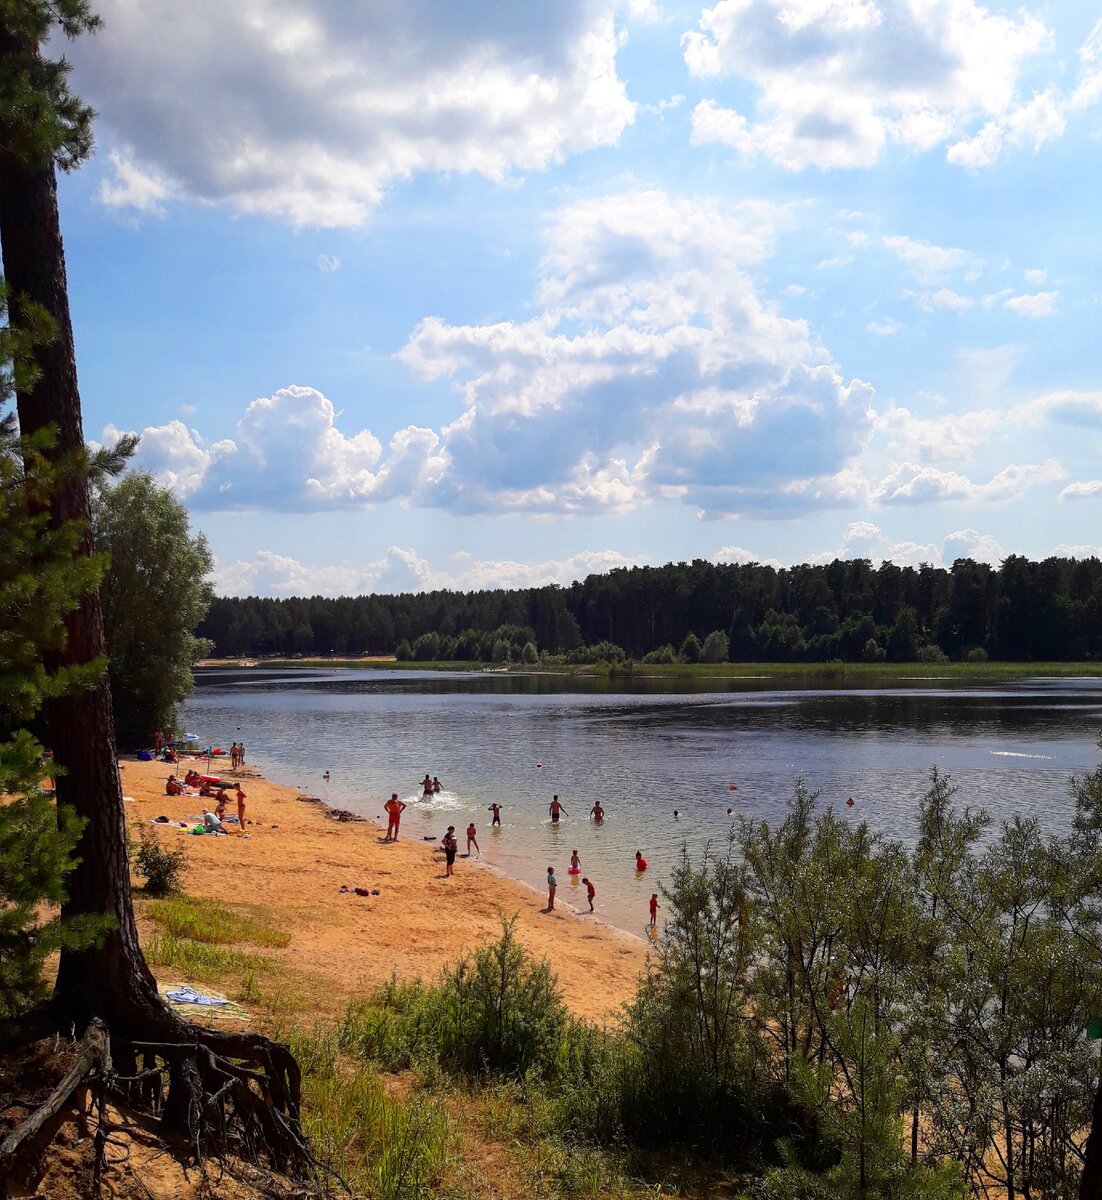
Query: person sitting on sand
(211, 821)
(496, 810)
(597, 812)
(173, 787)
(220, 807)
(554, 808)
(552, 886)
(192, 777)
(394, 809)
(640, 861)
(205, 789)
(472, 840)
(591, 891)
(437, 786)
(241, 798)
(450, 846)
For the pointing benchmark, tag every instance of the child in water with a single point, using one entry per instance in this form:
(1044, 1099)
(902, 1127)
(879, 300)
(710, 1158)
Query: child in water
(591, 891)
(575, 863)
(653, 909)
(472, 840)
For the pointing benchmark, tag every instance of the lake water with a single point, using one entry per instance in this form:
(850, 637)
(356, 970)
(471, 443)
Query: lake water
(643, 752)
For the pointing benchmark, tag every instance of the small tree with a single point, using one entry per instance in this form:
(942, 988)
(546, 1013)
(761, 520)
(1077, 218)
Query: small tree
(715, 648)
(154, 594)
(690, 648)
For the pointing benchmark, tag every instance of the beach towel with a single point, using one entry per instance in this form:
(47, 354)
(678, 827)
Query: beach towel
(188, 995)
(207, 1007)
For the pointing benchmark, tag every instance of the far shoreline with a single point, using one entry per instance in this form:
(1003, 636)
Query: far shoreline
(782, 674)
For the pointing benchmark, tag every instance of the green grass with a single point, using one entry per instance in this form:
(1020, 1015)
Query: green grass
(210, 921)
(386, 1146)
(857, 674)
(200, 960)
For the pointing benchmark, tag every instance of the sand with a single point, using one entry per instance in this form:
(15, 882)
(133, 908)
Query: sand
(296, 857)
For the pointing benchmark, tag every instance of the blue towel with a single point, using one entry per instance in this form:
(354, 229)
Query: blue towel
(188, 995)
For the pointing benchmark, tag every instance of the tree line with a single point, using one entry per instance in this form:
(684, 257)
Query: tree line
(702, 611)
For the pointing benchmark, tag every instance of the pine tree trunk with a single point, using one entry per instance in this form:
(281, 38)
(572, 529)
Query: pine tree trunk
(111, 980)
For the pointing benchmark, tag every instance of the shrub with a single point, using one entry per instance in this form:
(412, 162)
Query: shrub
(690, 648)
(530, 655)
(976, 655)
(873, 652)
(663, 654)
(404, 652)
(715, 648)
(932, 653)
(162, 868)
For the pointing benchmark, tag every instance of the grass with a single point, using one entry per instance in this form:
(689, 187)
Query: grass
(210, 921)
(202, 961)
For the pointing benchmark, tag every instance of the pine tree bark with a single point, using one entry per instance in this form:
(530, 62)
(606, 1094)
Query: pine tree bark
(111, 980)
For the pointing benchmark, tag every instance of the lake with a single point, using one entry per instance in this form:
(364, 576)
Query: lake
(644, 750)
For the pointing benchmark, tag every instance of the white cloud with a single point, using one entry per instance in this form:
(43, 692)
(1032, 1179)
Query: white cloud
(402, 569)
(1085, 490)
(144, 191)
(969, 543)
(1039, 304)
(862, 539)
(309, 111)
(1035, 274)
(935, 439)
(910, 483)
(884, 328)
(929, 262)
(328, 262)
(943, 298)
(839, 80)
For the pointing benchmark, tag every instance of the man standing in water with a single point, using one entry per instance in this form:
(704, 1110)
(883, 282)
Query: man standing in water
(394, 809)
(597, 812)
(496, 810)
(554, 808)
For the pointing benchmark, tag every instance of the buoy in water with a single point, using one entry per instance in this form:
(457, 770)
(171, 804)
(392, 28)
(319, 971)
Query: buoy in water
(849, 802)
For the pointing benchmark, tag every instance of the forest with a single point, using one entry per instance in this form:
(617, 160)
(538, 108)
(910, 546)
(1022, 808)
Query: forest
(846, 610)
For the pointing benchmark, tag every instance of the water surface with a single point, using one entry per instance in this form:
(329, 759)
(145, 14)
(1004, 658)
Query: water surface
(644, 751)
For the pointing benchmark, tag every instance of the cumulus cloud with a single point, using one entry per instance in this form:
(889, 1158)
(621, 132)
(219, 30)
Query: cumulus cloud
(309, 111)
(929, 262)
(402, 569)
(934, 439)
(287, 453)
(838, 82)
(863, 539)
(910, 483)
(1039, 304)
(653, 367)
(884, 328)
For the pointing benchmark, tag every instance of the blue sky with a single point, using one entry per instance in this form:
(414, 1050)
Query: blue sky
(408, 295)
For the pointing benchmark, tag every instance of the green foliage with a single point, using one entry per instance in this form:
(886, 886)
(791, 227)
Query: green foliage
(154, 594)
(161, 867)
(404, 651)
(389, 1147)
(663, 655)
(690, 648)
(42, 580)
(808, 613)
(40, 119)
(715, 648)
(530, 655)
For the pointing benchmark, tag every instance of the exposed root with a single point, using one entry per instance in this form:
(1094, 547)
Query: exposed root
(213, 1096)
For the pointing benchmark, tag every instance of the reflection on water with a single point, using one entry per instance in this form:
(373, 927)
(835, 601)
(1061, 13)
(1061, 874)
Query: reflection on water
(645, 750)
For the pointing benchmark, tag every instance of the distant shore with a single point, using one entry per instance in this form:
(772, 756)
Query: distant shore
(297, 857)
(853, 674)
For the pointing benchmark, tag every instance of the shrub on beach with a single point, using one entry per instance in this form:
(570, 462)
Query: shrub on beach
(162, 868)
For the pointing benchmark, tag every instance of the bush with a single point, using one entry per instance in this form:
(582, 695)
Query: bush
(976, 655)
(716, 647)
(690, 648)
(873, 652)
(932, 653)
(404, 652)
(162, 868)
(663, 655)
(530, 655)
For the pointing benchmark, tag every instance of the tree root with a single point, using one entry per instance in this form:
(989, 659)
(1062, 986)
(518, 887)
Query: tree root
(214, 1094)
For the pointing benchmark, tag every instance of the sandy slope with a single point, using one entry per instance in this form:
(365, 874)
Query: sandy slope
(296, 857)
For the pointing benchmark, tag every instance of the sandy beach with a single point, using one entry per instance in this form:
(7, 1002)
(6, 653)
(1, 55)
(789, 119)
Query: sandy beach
(297, 856)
